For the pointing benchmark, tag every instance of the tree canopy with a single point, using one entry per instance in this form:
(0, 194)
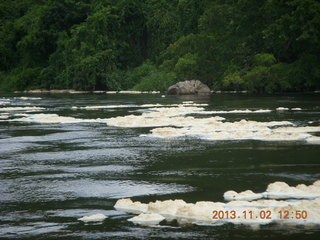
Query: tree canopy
(260, 46)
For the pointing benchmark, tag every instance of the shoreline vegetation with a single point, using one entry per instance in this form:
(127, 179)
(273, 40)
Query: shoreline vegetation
(72, 91)
(268, 46)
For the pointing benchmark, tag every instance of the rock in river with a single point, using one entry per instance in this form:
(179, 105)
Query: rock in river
(188, 87)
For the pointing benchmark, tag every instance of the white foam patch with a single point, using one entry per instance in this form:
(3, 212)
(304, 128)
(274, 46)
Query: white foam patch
(277, 190)
(157, 105)
(106, 107)
(172, 122)
(191, 103)
(298, 129)
(53, 118)
(138, 92)
(28, 98)
(4, 115)
(199, 212)
(166, 208)
(21, 115)
(217, 131)
(274, 136)
(258, 203)
(6, 109)
(4, 102)
(281, 190)
(245, 195)
(127, 205)
(253, 213)
(282, 109)
(147, 219)
(99, 217)
(164, 116)
(180, 110)
(313, 140)
(239, 111)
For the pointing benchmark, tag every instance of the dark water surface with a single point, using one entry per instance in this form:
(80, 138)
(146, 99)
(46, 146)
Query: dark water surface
(52, 174)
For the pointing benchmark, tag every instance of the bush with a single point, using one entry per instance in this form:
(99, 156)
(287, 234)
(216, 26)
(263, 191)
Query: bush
(264, 59)
(233, 81)
(156, 81)
(279, 78)
(305, 73)
(256, 79)
(269, 79)
(186, 67)
(135, 75)
(21, 78)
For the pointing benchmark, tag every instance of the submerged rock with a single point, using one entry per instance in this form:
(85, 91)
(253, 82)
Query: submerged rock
(189, 88)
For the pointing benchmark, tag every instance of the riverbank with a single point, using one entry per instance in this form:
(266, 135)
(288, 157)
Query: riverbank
(72, 91)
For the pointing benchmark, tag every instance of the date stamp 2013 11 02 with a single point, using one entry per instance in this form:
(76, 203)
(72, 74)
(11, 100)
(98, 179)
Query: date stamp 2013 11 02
(259, 214)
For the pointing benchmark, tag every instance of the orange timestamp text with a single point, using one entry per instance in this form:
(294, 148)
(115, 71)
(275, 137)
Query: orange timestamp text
(259, 214)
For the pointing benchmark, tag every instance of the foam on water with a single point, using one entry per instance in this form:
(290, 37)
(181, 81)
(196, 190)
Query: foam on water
(162, 116)
(245, 195)
(4, 115)
(241, 130)
(298, 129)
(203, 212)
(147, 219)
(258, 203)
(31, 108)
(127, 205)
(166, 208)
(4, 102)
(53, 118)
(99, 217)
(28, 98)
(313, 140)
(278, 190)
(106, 107)
(172, 121)
(283, 190)
(239, 111)
(156, 105)
(282, 109)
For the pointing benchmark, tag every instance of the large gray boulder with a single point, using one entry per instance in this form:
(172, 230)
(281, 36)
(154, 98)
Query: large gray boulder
(189, 88)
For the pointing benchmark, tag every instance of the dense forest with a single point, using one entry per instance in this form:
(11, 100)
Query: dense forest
(259, 46)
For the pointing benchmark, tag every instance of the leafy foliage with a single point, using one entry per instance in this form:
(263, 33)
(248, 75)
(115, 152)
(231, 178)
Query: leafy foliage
(148, 77)
(260, 46)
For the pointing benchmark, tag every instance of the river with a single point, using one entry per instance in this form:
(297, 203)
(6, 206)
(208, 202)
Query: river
(63, 157)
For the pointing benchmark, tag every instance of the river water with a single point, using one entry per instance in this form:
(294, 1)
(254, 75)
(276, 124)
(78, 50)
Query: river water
(55, 170)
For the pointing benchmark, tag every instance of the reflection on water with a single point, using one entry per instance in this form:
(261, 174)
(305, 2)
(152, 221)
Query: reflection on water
(52, 174)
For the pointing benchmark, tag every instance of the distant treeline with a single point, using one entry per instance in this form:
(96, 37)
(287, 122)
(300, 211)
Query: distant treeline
(259, 46)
